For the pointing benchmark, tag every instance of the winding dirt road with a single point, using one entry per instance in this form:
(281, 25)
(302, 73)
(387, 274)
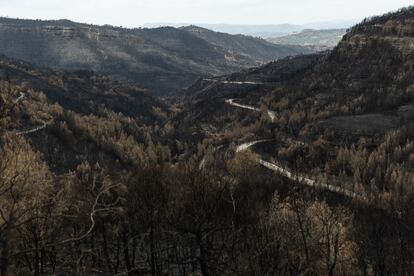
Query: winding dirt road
(271, 113)
(286, 172)
(235, 82)
(25, 132)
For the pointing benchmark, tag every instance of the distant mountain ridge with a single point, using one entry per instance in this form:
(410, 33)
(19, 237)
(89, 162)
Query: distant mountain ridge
(265, 30)
(319, 39)
(162, 60)
(255, 48)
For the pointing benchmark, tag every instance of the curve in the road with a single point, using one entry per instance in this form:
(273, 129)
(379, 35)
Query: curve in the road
(297, 177)
(286, 172)
(25, 132)
(246, 146)
(271, 113)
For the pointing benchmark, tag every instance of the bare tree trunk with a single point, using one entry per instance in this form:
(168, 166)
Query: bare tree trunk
(53, 259)
(134, 251)
(42, 260)
(92, 241)
(5, 253)
(118, 250)
(105, 249)
(203, 256)
(152, 249)
(37, 256)
(126, 249)
(26, 257)
(303, 235)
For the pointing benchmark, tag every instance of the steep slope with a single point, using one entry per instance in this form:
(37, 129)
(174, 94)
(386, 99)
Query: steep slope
(84, 92)
(373, 62)
(347, 118)
(259, 50)
(369, 71)
(309, 169)
(204, 101)
(256, 78)
(162, 60)
(73, 118)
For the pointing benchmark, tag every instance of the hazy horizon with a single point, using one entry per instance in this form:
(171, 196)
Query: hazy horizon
(129, 13)
(265, 29)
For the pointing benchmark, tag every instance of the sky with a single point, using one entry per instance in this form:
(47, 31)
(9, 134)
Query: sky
(135, 13)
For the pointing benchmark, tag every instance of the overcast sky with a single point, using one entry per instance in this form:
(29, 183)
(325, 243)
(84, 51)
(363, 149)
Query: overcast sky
(134, 13)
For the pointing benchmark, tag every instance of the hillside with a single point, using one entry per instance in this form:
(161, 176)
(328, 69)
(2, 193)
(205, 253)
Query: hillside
(319, 40)
(254, 48)
(355, 102)
(76, 117)
(84, 92)
(343, 125)
(163, 60)
(302, 166)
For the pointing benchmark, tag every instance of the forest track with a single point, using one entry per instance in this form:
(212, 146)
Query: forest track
(294, 176)
(30, 131)
(270, 113)
(236, 82)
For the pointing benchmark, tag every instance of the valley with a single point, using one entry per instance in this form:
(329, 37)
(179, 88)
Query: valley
(163, 60)
(186, 151)
(296, 177)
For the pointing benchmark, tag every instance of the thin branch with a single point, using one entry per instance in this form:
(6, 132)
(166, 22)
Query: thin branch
(93, 212)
